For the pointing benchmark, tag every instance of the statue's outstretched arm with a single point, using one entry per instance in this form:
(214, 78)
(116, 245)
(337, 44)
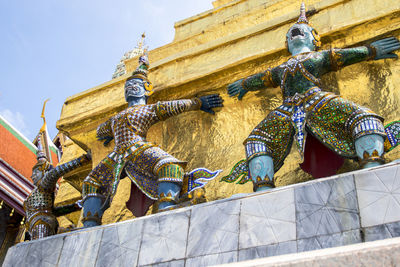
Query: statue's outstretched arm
(104, 132)
(254, 82)
(166, 109)
(51, 177)
(381, 49)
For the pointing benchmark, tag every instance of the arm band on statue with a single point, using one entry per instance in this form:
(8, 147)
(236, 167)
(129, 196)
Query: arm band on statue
(166, 109)
(344, 57)
(259, 81)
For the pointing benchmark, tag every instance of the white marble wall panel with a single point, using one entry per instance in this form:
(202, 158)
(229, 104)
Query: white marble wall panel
(214, 229)
(213, 259)
(81, 248)
(326, 207)
(267, 219)
(377, 232)
(382, 231)
(268, 251)
(378, 192)
(120, 244)
(17, 255)
(394, 229)
(45, 252)
(164, 237)
(329, 241)
(178, 263)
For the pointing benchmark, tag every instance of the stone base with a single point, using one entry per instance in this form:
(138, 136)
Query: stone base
(337, 211)
(377, 253)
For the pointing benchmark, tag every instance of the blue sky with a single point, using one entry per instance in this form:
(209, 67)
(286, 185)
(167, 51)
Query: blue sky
(56, 48)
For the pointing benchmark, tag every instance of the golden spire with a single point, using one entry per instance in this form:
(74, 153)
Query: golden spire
(43, 143)
(141, 42)
(43, 117)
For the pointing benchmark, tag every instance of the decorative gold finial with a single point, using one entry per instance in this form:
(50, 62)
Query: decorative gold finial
(12, 213)
(43, 145)
(302, 17)
(141, 42)
(43, 117)
(1, 204)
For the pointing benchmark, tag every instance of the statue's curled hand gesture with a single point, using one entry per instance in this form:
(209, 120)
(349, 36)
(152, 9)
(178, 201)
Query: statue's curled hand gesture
(208, 102)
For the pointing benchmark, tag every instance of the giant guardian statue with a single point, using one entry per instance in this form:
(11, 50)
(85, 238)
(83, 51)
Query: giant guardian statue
(155, 174)
(325, 127)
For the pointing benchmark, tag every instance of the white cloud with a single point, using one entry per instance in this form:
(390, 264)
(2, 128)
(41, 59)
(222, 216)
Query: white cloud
(16, 120)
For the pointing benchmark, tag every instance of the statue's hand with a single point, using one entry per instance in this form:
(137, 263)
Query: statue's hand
(236, 88)
(88, 155)
(384, 48)
(107, 139)
(208, 102)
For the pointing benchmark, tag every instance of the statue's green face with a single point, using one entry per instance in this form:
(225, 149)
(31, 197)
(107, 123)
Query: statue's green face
(134, 88)
(300, 36)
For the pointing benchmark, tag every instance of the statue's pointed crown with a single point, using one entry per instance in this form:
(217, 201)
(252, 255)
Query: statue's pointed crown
(303, 20)
(303, 16)
(143, 67)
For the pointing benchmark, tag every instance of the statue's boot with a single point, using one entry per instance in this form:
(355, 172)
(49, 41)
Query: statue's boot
(170, 179)
(168, 195)
(261, 170)
(93, 209)
(175, 187)
(370, 149)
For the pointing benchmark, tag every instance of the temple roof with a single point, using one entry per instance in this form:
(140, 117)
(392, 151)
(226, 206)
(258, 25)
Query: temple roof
(14, 188)
(17, 157)
(16, 149)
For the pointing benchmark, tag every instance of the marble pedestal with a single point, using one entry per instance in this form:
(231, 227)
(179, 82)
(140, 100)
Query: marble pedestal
(344, 209)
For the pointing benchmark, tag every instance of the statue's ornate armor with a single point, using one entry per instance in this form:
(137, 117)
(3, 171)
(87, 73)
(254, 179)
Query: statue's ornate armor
(333, 120)
(40, 221)
(133, 155)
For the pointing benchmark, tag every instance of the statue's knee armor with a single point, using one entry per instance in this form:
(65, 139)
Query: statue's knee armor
(261, 171)
(170, 179)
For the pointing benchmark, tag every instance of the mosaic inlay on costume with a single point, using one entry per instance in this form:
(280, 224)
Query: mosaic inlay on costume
(155, 174)
(325, 127)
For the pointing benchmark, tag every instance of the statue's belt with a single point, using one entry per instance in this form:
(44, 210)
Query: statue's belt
(298, 98)
(130, 154)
